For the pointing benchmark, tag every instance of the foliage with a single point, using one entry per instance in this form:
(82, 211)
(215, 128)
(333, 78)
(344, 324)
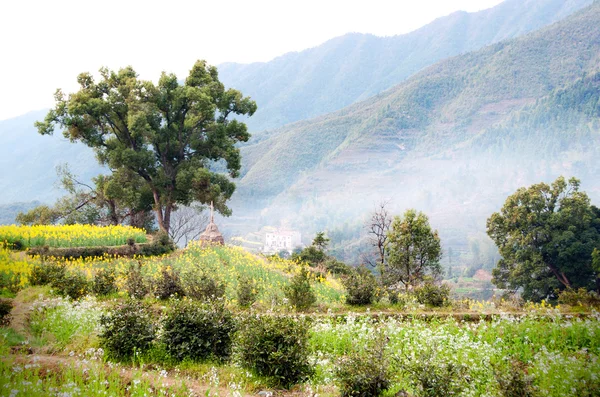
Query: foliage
(6, 306)
(275, 347)
(10, 281)
(136, 284)
(546, 235)
(432, 294)
(199, 284)
(414, 250)
(70, 235)
(320, 242)
(336, 267)
(73, 284)
(127, 329)
(299, 291)
(104, 282)
(432, 378)
(580, 297)
(165, 134)
(247, 291)
(361, 286)
(168, 284)
(47, 273)
(516, 380)
(198, 332)
(365, 372)
(311, 255)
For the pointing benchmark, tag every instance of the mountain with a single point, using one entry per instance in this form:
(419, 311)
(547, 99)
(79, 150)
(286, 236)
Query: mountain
(454, 140)
(354, 67)
(28, 160)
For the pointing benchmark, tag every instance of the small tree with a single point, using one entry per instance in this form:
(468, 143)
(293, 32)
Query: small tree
(320, 242)
(414, 251)
(378, 227)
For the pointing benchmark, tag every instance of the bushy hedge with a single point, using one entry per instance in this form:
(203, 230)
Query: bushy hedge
(299, 291)
(128, 328)
(361, 287)
(275, 347)
(198, 332)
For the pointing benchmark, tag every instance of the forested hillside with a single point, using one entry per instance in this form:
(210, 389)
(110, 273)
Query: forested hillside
(454, 140)
(354, 67)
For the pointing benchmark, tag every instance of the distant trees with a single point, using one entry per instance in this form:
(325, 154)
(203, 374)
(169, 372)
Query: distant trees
(546, 235)
(414, 251)
(163, 137)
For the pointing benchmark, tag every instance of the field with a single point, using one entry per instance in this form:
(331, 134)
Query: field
(53, 344)
(58, 236)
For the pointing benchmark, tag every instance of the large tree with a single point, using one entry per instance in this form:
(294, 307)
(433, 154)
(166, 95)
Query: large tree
(546, 235)
(173, 136)
(414, 251)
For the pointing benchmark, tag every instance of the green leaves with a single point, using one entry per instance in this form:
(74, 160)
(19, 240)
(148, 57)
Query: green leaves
(546, 235)
(159, 131)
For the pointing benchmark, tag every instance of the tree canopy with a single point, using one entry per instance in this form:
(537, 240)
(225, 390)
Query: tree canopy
(546, 235)
(169, 135)
(414, 251)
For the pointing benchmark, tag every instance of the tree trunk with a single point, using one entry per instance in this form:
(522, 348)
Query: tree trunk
(159, 213)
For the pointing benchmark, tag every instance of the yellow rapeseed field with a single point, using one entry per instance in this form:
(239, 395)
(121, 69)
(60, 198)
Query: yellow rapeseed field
(69, 235)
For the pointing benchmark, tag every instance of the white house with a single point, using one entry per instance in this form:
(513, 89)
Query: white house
(282, 240)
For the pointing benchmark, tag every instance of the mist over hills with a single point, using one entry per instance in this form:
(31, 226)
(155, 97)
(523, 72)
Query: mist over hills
(354, 67)
(454, 140)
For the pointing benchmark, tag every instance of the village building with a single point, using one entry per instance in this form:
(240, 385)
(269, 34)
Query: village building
(282, 240)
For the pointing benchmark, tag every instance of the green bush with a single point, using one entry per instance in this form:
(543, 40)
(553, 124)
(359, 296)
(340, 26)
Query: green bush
(275, 347)
(46, 273)
(126, 330)
(365, 373)
(431, 294)
(136, 284)
(10, 281)
(580, 297)
(361, 287)
(104, 282)
(514, 381)
(334, 266)
(198, 332)
(168, 284)
(247, 291)
(299, 291)
(6, 306)
(199, 285)
(432, 376)
(73, 284)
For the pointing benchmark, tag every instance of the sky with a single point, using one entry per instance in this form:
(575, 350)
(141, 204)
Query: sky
(45, 44)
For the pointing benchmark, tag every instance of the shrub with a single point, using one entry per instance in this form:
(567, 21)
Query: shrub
(104, 282)
(168, 284)
(299, 291)
(365, 373)
(247, 291)
(432, 294)
(580, 297)
(10, 281)
(126, 330)
(46, 273)
(201, 286)
(135, 282)
(6, 306)
(432, 376)
(334, 266)
(73, 284)
(361, 286)
(198, 332)
(514, 381)
(275, 347)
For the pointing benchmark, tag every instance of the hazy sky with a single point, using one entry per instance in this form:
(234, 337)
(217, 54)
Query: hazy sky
(44, 44)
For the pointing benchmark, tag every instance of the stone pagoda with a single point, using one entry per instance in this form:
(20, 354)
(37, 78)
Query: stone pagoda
(212, 235)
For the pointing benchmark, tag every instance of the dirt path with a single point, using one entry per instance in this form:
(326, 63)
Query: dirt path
(19, 314)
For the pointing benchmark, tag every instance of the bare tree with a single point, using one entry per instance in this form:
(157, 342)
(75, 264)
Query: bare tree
(187, 223)
(378, 226)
